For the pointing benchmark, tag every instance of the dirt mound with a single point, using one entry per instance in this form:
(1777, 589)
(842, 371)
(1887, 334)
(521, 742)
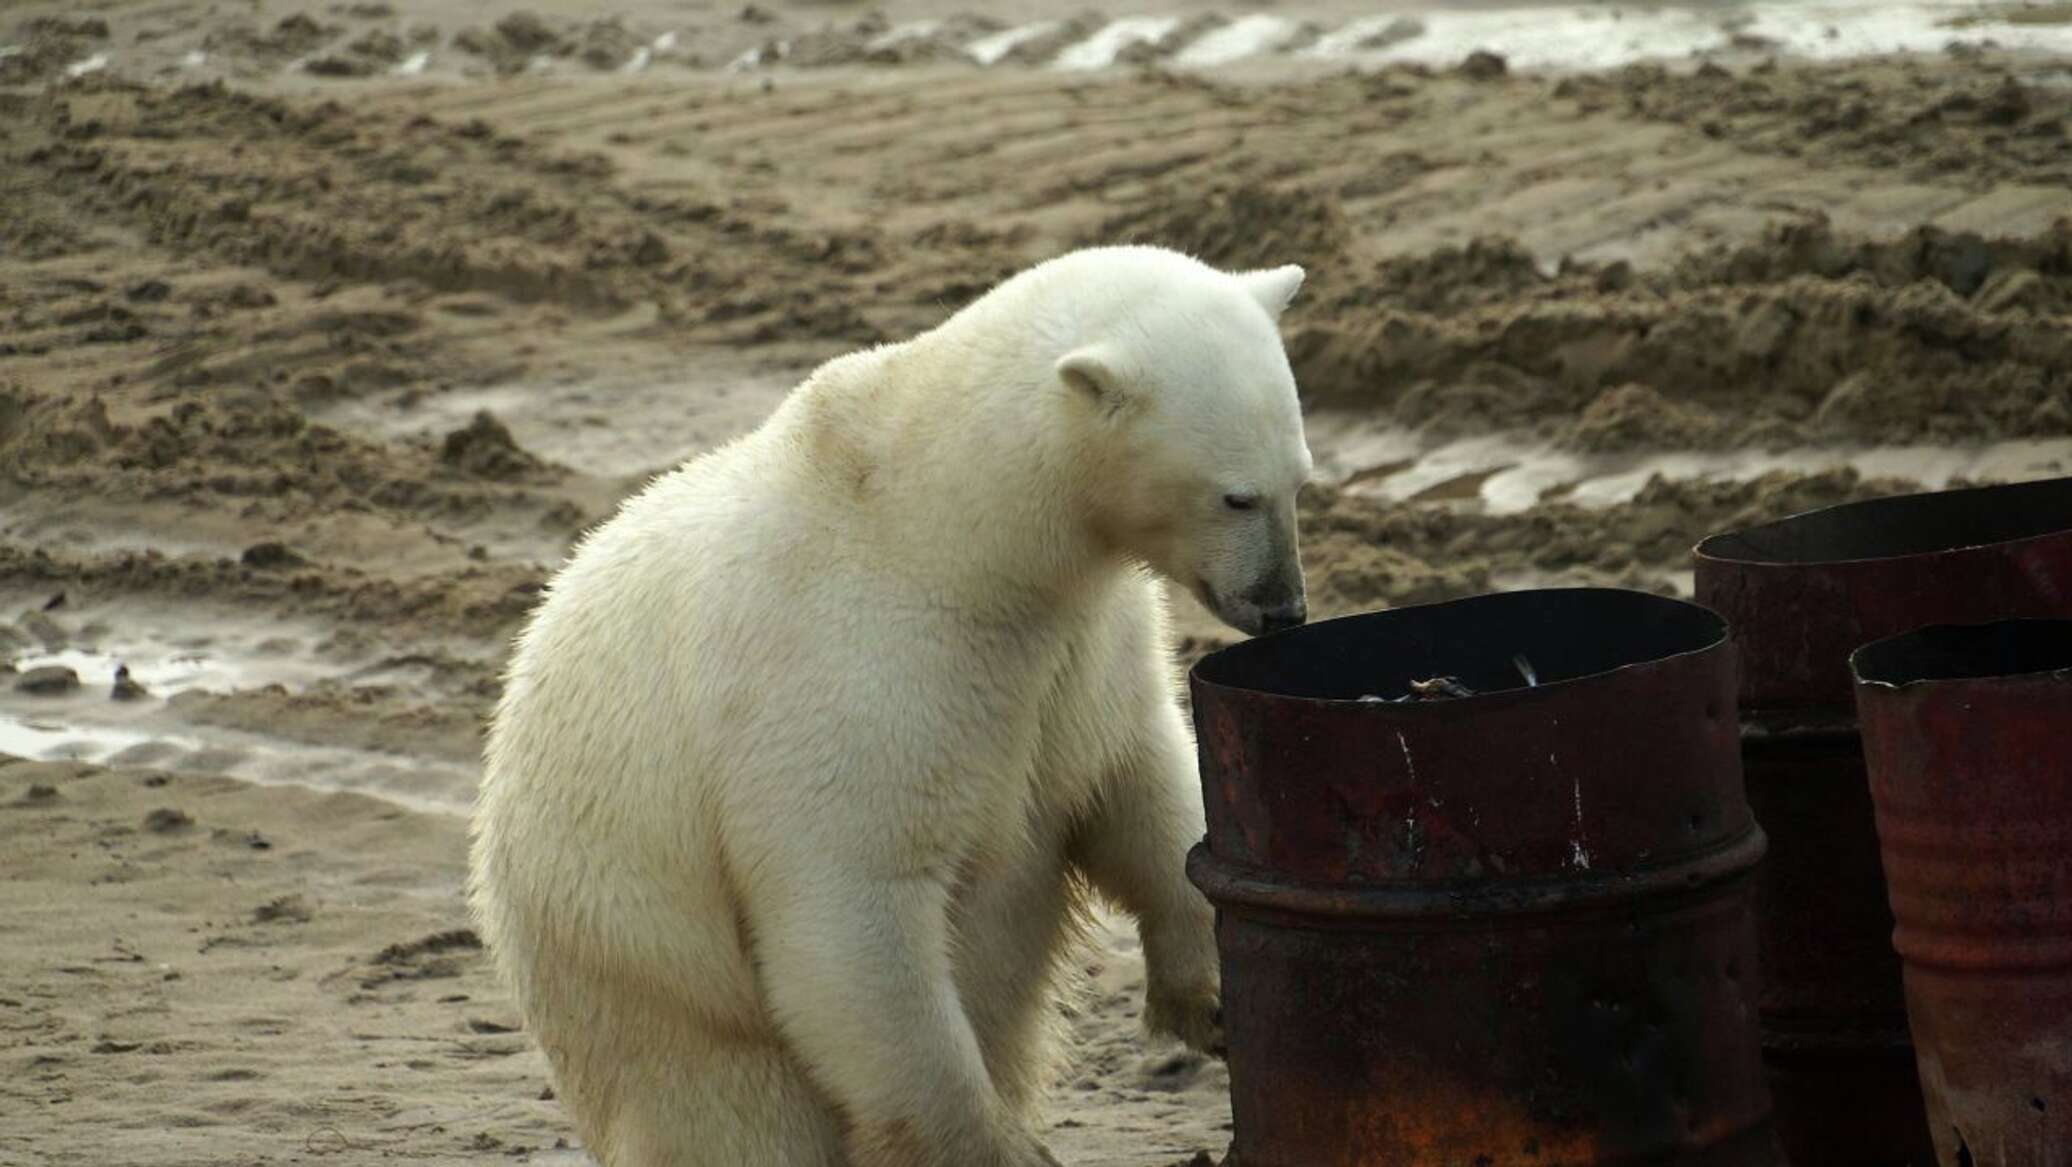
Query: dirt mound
(873, 40)
(508, 218)
(1239, 226)
(293, 37)
(242, 445)
(1964, 262)
(442, 956)
(1356, 576)
(1633, 417)
(512, 44)
(1450, 279)
(484, 448)
(35, 223)
(187, 386)
(606, 45)
(374, 51)
(1980, 122)
(1361, 553)
(192, 334)
(43, 47)
(1802, 336)
(36, 433)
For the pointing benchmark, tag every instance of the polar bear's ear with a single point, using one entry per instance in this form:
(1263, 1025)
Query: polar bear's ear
(1273, 287)
(1088, 371)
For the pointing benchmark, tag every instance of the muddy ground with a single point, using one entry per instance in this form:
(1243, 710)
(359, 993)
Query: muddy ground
(312, 365)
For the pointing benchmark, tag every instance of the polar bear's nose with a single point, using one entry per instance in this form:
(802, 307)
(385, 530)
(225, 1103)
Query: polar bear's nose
(1284, 617)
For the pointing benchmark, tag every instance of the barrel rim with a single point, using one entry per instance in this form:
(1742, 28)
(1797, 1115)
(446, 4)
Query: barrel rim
(1931, 656)
(1729, 552)
(1717, 638)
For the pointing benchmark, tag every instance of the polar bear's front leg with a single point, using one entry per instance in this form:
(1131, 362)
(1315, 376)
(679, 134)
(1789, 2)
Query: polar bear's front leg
(1011, 931)
(858, 974)
(1134, 851)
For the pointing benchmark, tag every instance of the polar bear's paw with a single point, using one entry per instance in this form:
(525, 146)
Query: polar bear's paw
(899, 1144)
(1192, 1016)
(1036, 1155)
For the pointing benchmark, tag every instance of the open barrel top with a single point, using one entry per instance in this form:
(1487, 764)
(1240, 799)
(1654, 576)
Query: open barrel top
(1561, 635)
(1967, 652)
(1623, 757)
(1902, 525)
(1803, 593)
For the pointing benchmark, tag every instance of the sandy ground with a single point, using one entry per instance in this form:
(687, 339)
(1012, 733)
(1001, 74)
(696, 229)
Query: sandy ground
(205, 971)
(313, 361)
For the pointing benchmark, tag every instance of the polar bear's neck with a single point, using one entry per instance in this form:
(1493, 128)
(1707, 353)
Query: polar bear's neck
(946, 450)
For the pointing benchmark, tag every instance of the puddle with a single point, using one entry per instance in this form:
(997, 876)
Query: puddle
(415, 782)
(1543, 36)
(993, 48)
(1245, 37)
(1101, 49)
(178, 649)
(47, 740)
(1561, 37)
(902, 34)
(1538, 37)
(171, 651)
(1608, 37)
(97, 670)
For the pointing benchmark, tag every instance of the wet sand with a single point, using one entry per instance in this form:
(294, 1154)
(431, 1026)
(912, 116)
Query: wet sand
(313, 363)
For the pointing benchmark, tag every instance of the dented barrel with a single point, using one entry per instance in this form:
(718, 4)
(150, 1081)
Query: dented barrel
(1511, 927)
(1968, 736)
(1801, 594)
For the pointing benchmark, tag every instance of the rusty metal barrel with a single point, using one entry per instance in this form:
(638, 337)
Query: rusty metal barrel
(1801, 594)
(1968, 736)
(1505, 928)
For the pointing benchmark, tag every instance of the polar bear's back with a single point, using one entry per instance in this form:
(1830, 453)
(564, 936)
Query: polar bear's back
(597, 840)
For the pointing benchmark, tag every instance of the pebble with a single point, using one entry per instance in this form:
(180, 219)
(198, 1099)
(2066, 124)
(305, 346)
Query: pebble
(47, 681)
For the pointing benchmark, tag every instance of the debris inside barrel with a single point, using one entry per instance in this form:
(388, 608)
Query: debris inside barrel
(1433, 689)
(1449, 688)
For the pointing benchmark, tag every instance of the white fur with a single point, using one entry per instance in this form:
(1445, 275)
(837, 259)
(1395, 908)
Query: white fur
(809, 758)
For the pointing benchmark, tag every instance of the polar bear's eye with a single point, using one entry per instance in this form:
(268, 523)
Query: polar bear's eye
(1240, 501)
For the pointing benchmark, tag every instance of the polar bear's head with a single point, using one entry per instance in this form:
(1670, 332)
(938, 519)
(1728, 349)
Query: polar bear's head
(1184, 399)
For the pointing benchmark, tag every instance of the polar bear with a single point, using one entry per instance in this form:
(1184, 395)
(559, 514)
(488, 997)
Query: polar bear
(811, 758)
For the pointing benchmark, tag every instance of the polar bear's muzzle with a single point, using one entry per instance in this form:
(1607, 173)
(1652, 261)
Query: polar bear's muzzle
(1275, 604)
(1281, 605)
